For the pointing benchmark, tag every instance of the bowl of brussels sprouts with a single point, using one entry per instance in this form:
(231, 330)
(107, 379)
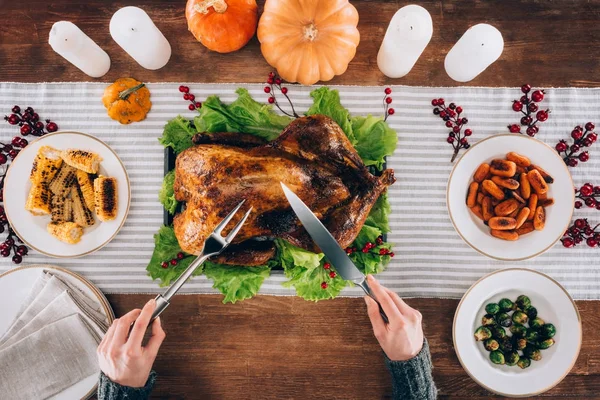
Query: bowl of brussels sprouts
(517, 332)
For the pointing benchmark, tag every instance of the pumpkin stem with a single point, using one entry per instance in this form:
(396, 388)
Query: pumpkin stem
(125, 93)
(220, 6)
(310, 32)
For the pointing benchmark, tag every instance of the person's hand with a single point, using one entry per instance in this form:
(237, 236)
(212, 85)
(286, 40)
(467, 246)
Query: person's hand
(123, 359)
(402, 338)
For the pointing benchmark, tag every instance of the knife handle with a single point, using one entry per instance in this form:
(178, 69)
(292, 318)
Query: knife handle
(365, 286)
(161, 305)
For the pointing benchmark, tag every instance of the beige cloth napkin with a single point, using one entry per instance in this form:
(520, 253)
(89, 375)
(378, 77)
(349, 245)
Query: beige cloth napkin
(49, 360)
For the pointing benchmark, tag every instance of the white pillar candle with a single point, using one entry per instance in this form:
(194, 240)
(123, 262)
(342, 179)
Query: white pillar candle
(135, 32)
(77, 48)
(407, 35)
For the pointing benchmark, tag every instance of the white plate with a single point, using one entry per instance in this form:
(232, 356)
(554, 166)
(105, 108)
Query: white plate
(14, 287)
(32, 229)
(477, 235)
(554, 305)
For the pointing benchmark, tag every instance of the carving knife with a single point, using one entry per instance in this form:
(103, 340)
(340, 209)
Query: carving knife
(329, 246)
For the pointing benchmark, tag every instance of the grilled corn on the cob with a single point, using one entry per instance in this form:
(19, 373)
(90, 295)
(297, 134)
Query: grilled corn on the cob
(86, 184)
(62, 182)
(38, 200)
(45, 165)
(82, 215)
(68, 232)
(62, 209)
(105, 191)
(82, 159)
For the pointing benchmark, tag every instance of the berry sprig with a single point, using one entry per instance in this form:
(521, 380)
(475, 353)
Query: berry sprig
(194, 105)
(528, 106)
(372, 248)
(581, 230)
(29, 121)
(581, 139)
(10, 243)
(451, 115)
(173, 262)
(274, 82)
(331, 274)
(588, 195)
(387, 100)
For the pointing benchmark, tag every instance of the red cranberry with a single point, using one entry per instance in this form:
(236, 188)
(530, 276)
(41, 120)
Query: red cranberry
(517, 105)
(532, 107)
(451, 134)
(584, 157)
(388, 100)
(456, 129)
(542, 115)
(575, 148)
(561, 147)
(327, 266)
(597, 189)
(277, 81)
(464, 121)
(525, 88)
(459, 109)
(592, 136)
(576, 134)
(198, 104)
(271, 100)
(449, 124)
(22, 250)
(323, 285)
(25, 130)
(590, 202)
(192, 97)
(271, 75)
(184, 89)
(332, 274)
(186, 96)
(464, 141)
(578, 204)
(388, 90)
(526, 120)
(580, 223)
(568, 242)
(586, 190)
(591, 242)
(173, 261)
(468, 132)
(191, 107)
(532, 130)
(165, 264)
(13, 153)
(5, 253)
(284, 90)
(434, 103)
(270, 81)
(589, 126)
(391, 111)
(7, 148)
(16, 109)
(51, 127)
(441, 102)
(514, 128)
(450, 139)
(571, 162)
(13, 119)
(17, 259)
(35, 117)
(180, 255)
(16, 141)
(537, 96)
(436, 111)
(443, 114)
(267, 89)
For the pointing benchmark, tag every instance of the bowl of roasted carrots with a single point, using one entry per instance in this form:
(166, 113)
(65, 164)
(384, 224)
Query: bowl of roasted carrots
(510, 197)
(66, 194)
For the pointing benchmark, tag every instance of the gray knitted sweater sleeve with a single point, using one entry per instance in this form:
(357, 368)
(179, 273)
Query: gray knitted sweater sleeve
(109, 390)
(412, 378)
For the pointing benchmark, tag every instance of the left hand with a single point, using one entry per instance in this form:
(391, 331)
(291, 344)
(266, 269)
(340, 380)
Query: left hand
(123, 359)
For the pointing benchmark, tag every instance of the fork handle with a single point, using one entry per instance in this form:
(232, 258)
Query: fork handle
(161, 305)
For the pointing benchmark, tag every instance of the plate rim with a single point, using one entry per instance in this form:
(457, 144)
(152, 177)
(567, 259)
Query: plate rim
(110, 314)
(553, 384)
(126, 210)
(452, 218)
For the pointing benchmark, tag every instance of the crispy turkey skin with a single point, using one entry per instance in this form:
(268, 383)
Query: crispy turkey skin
(312, 156)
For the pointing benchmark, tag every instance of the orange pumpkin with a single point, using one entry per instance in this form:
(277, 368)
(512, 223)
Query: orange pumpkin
(308, 40)
(222, 25)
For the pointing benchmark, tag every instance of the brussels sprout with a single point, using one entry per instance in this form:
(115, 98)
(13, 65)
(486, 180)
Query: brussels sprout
(536, 323)
(531, 312)
(523, 302)
(545, 344)
(519, 343)
(518, 330)
(506, 345)
(524, 362)
(491, 345)
(532, 335)
(506, 305)
(497, 357)
(512, 358)
(533, 353)
(498, 332)
(482, 333)
(548, 330)
(492, 308)
(503, 319)
(519, 317)
(487, 320)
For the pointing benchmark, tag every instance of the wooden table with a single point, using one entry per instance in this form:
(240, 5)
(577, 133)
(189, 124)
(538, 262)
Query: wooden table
(278, 347)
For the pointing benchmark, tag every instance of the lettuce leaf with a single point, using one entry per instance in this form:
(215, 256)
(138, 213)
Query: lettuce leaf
(380, 213)
(371, 262)
(305, 272)
(327, 102)
(166, 248)
(236, 282)
(177, 134)
(374, 139)
(244, 115)
(166, 196)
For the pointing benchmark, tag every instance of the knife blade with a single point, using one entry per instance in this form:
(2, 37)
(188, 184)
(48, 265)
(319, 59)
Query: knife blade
(328, 245)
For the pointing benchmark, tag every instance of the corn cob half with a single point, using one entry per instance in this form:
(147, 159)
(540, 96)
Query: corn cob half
(45, 165)
(86, 184)
(105, 192)
(62, 182)
(82, 215)
(68, 232)
(38, 200)
(62, 209)
(82, 159)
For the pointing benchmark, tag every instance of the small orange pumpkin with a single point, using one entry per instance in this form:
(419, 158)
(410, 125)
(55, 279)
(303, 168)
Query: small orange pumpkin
(308, 40)
(127, 100)
(222, 25)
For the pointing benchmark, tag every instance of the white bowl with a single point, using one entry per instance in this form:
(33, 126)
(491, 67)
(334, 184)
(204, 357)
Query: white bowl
(554, 306)
(475, 233)
(32, 229)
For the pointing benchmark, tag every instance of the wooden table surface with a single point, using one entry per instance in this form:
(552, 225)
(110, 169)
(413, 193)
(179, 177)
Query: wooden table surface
(280, 347)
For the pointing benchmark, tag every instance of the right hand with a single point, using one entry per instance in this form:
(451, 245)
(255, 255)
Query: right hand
(121, 355)
(402, 338)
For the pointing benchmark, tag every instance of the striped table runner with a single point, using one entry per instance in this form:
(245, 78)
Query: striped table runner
(431, 259)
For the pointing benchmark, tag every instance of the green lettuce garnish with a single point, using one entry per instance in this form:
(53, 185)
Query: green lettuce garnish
(166, 196)
(236, 282)
(177, 134)
(166, 248)
(374, 140)
(327, 102)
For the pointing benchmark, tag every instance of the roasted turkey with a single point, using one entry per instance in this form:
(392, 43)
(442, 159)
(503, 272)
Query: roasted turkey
(312, 156)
